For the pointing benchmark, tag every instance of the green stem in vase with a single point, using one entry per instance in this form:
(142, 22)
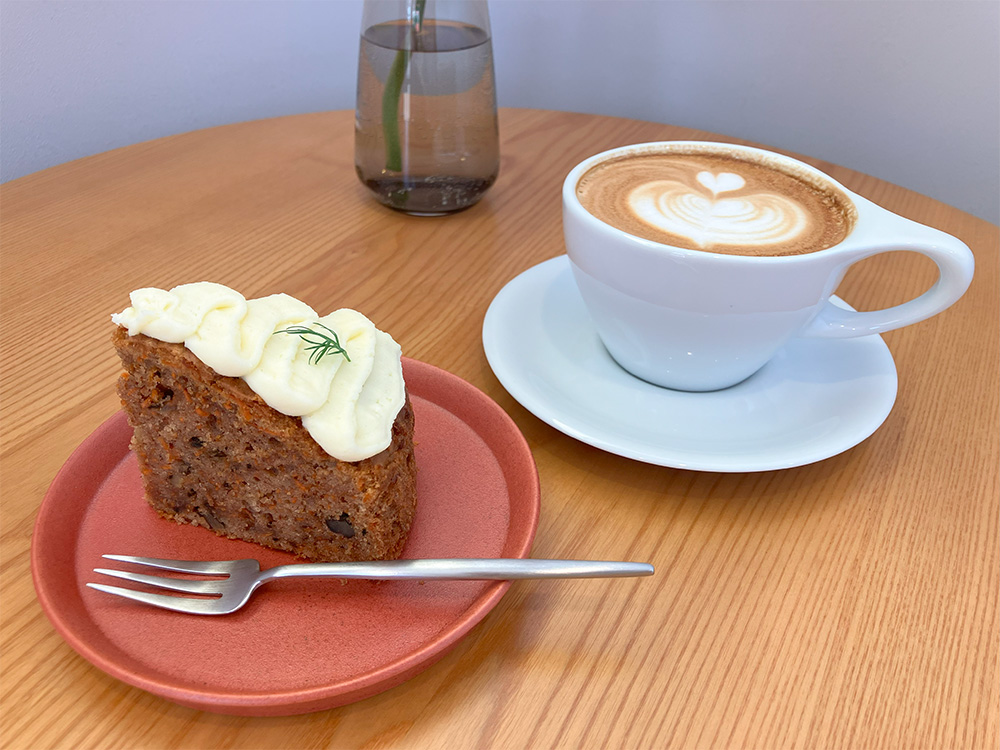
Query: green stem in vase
(393, 90)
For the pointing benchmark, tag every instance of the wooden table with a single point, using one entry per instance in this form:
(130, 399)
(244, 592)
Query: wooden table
(850, 603)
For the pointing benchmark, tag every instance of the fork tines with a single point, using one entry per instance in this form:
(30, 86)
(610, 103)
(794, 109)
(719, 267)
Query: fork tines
(210, 567)
(206, 587)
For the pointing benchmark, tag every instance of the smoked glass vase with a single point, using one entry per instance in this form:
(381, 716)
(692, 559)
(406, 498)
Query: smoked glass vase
(426, 139)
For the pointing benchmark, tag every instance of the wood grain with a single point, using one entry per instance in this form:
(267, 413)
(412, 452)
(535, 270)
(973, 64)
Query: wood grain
(851, 603)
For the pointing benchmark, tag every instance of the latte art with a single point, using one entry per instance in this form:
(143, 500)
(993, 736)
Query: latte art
(707, 219)
(724, 182)
(716, 201)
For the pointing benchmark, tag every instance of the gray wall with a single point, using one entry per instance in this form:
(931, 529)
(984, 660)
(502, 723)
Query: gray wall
(908, 91)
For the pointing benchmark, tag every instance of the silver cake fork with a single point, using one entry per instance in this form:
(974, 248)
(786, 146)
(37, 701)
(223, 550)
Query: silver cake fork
(240, 578)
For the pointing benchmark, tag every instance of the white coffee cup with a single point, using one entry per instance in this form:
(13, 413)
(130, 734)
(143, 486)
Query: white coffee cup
(698, 321)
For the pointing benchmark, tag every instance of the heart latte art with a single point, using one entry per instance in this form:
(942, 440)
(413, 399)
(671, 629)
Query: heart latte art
(718, 203)
(707, 217)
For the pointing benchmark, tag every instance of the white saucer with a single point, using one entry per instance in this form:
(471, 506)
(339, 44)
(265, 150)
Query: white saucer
(815, 399)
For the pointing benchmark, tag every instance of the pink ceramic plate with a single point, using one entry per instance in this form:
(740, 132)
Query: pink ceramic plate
(300, 645)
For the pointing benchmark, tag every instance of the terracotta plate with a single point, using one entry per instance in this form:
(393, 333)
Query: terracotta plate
(299, 645)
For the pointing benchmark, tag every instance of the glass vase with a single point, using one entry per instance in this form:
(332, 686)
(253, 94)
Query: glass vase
(426, 139)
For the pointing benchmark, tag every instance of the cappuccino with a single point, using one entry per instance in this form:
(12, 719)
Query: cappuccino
(717, 200)
(637, 220)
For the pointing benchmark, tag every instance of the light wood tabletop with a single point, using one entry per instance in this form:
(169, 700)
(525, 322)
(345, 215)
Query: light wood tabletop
(848, 603)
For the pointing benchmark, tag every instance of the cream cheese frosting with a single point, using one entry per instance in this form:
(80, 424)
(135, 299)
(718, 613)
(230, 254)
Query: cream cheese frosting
(347, 404)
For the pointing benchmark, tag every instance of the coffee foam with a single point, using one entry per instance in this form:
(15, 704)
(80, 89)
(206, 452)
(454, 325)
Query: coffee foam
(717, 201)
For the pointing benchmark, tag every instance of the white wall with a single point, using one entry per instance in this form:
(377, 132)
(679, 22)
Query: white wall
(908, 90)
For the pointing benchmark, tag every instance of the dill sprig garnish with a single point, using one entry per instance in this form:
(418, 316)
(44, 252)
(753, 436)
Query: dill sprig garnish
(320, 344)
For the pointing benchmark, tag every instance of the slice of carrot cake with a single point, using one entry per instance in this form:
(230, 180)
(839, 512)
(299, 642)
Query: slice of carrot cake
(262, 421)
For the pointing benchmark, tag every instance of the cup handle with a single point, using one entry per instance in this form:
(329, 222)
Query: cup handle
(953, 258)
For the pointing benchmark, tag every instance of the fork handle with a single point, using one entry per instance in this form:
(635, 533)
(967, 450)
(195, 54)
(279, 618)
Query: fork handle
(463, 569)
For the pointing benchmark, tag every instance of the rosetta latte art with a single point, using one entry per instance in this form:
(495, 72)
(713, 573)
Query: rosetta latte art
(706, 214)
